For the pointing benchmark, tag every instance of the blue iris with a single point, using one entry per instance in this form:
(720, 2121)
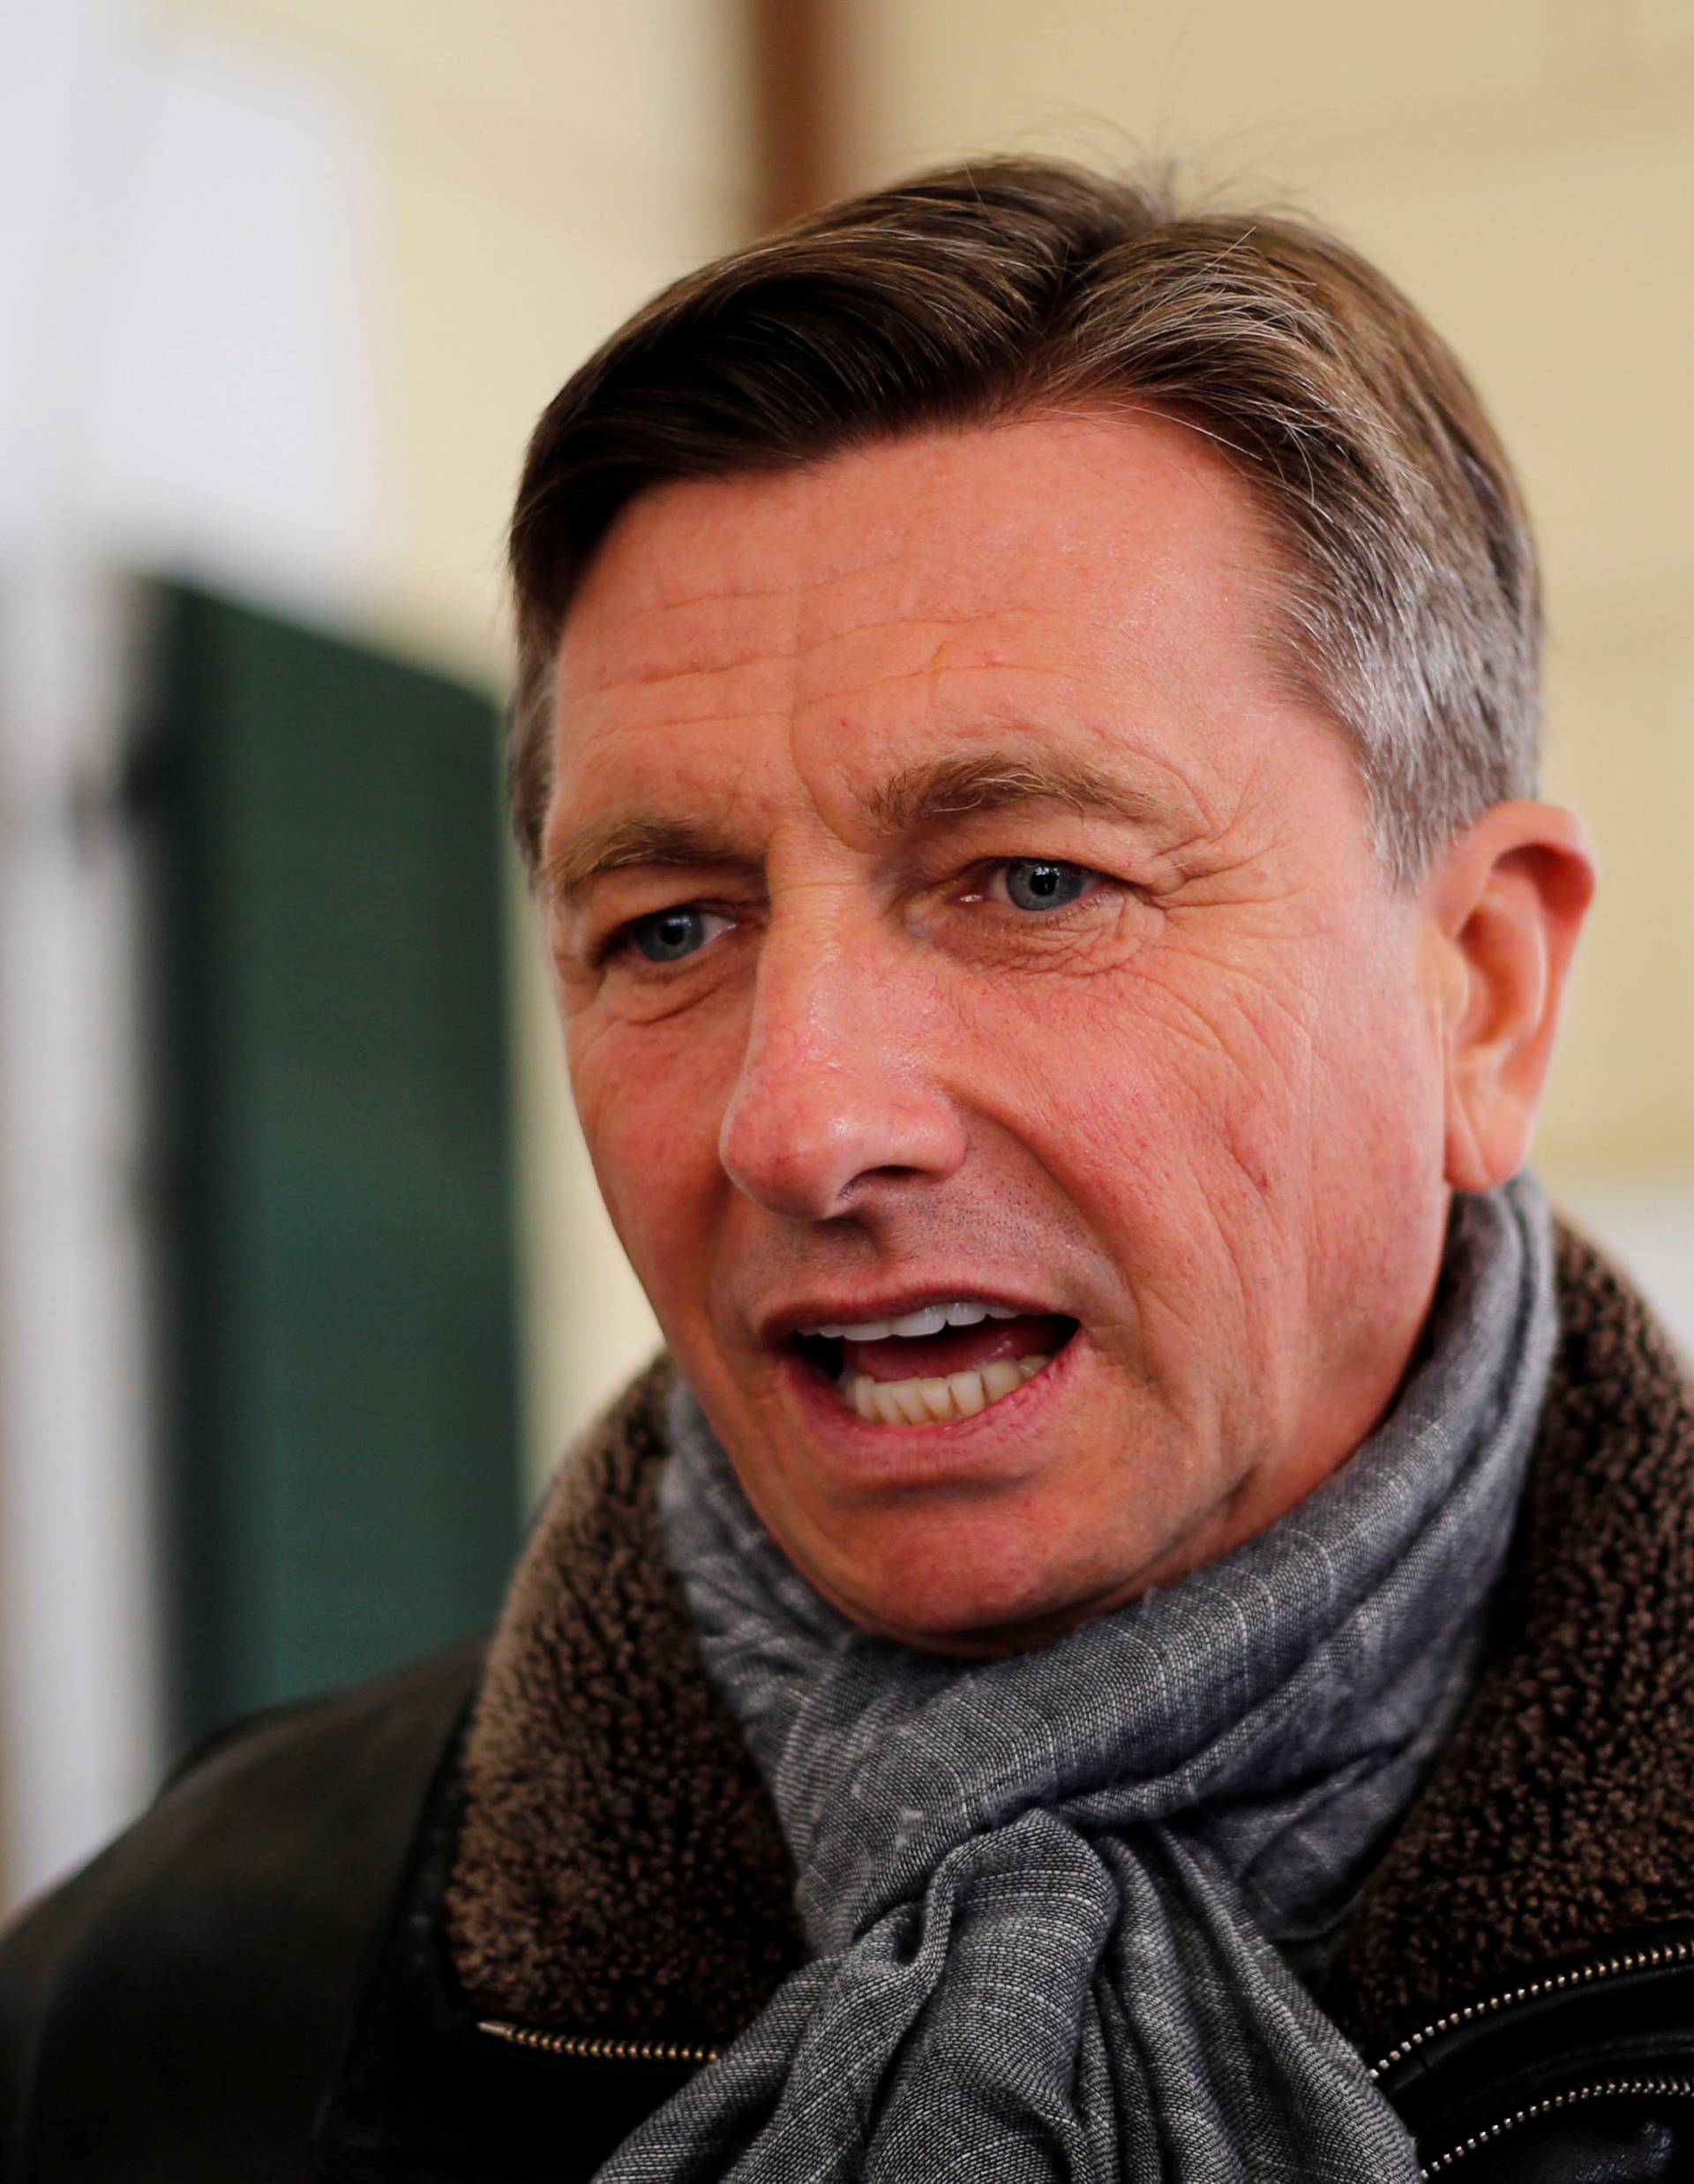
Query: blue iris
(668, 935)
(1038, 883)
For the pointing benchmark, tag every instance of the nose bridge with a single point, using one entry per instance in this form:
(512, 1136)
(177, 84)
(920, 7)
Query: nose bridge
(835, 1084)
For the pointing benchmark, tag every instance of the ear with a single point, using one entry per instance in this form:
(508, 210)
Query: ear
(1505, 903)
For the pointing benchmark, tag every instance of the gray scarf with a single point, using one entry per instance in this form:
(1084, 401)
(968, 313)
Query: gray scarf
(1045, 1894)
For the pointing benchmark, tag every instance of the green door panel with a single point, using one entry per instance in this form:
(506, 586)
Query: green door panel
(343, 1428)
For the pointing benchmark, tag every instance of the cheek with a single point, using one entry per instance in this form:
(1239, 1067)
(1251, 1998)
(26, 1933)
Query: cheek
(1347, 1149)
(1214, 1122)
(650, 1123)
(1346, 1095)
(1176, 1087)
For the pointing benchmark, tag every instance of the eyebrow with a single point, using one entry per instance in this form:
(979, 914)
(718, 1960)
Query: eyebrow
(990, 781)
(917, 797)
(583, 858)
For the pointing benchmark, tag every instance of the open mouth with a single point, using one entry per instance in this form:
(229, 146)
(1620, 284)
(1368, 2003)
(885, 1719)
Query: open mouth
(943, 1362)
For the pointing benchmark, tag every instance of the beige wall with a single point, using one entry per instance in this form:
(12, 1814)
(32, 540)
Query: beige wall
(1524, 167)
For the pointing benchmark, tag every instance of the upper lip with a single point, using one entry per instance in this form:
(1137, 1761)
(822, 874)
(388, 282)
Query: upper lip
(838, 1310)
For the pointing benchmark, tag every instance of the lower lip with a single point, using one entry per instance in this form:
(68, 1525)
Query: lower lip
(892, 1455)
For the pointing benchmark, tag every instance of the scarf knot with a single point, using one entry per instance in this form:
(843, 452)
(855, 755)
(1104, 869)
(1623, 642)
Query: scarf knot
(1048, 1896)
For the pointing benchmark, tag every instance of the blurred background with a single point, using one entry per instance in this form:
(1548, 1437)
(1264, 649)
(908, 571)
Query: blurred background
(303, 1285)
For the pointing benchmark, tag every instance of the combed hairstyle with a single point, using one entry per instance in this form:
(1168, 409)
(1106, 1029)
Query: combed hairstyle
(1408, 605)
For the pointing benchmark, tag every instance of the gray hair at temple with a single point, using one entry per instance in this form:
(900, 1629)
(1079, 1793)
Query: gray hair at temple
(1409, 600)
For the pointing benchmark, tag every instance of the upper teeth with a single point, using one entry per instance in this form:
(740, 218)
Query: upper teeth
(928, 1320)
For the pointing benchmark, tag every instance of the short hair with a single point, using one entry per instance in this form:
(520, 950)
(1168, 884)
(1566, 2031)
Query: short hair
(1409, 602)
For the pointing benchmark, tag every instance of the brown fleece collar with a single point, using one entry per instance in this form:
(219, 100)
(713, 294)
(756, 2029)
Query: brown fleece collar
(620, 1871)
(1562, 1813)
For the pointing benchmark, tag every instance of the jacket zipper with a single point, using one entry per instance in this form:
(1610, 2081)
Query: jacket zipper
(582, 2049)
(1657, 2088)
(1531, 1990)
(595, 2051)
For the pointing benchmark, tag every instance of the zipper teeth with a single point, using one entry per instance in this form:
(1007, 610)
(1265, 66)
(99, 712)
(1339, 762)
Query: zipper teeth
(1606, 1968)
(596, 2051)
(1611, 1967)
(1658, 2088)
(676, 2051)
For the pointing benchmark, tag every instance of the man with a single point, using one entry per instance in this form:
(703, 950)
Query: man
(1142, 1630)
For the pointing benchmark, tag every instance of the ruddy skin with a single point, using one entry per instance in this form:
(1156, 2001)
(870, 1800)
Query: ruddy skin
(953, 897)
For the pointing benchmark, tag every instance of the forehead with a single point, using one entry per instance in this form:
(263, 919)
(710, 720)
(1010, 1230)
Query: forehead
(1084, 576)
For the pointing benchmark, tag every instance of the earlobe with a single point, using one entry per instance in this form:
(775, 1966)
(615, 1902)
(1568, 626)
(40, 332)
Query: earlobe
(1508, 902)
(1465, 1167)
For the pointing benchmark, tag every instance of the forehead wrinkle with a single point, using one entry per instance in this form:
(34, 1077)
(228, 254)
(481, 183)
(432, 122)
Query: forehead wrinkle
(793, 582)
(656, 678)
(934, 646)
(645, 623)
(654, 665)
(930, 674)
(814, 674)
(754, 658)
(803, 538)
(802, 607)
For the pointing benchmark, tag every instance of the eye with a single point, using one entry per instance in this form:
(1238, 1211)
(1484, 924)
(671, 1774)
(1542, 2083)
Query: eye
(1043, 883)
(671, 935)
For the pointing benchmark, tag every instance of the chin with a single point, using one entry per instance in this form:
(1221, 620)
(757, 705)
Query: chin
(948, 1596)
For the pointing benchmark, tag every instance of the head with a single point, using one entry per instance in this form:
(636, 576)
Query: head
(1026, 740)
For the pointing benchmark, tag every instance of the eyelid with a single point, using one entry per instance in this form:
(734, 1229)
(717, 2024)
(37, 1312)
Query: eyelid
(619, 939)
(989, 868)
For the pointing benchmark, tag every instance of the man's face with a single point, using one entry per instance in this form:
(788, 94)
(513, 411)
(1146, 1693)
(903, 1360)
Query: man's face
(954, 908)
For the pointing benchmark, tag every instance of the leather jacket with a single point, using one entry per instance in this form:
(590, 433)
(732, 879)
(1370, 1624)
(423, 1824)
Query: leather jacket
(469, 1924)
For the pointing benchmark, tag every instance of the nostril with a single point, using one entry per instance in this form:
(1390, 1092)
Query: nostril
(811, 1135)
(868, 1179)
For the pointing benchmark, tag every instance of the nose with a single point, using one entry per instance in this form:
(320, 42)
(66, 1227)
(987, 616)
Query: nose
(836, 1106)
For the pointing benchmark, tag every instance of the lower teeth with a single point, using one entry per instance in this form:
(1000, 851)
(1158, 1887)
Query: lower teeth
(935, 1402)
